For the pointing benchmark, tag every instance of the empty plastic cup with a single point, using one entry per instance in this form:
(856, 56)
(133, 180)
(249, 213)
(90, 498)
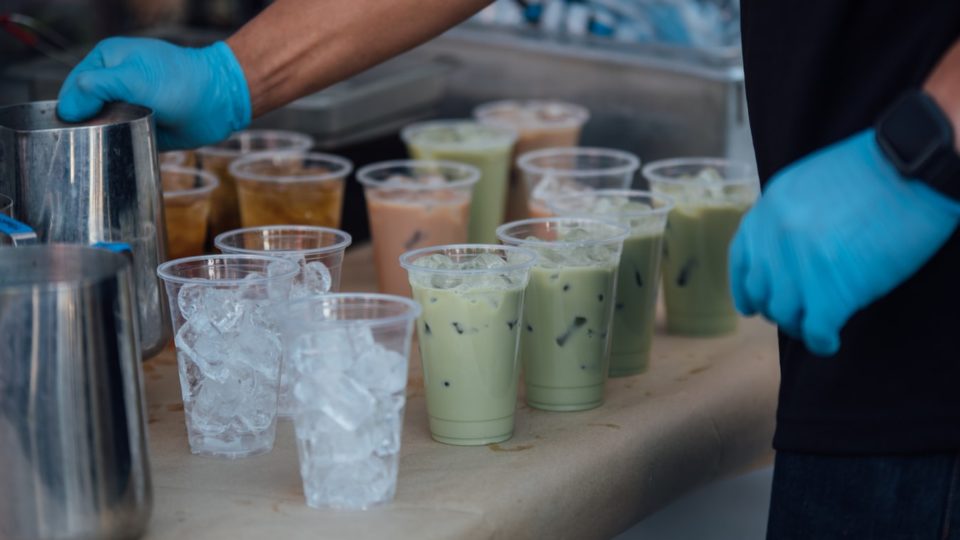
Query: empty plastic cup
(568, 310)
(472, 298)
(224, 310)
(711, 196)
(557, 171)
(318, 252)
(635, 305)
(349, 354)
(413, 204)
(287, 188)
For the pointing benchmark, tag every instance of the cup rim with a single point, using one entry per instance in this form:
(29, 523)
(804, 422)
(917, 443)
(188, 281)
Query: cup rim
(621, 234)
(632, 162)
(164, 270)
(301, 139)
(345, 240)
(410, 131)
(669, 203)
(343, 167)
(580, 115)
(412, 312)
(210, 181)
(651, 171)
(363, 174)
(408, 259)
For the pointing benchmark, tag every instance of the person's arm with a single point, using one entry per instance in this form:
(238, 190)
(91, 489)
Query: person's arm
(841, 228)
(296, 47)
(200, 95)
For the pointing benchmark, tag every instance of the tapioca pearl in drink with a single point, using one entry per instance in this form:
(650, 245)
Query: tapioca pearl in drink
(635, 305)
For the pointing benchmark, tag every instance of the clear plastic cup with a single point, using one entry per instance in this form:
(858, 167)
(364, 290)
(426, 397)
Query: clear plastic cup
(225, 212)
(568, 310)
(224, 310)
(557, 171)
(540, 123)
(638, 280)
(349, 354)
(711, 196)
(472, 298)
(6, 206)
(486, 147)
(318, 252)
(290, 188)
(413, 204)
(186, 207)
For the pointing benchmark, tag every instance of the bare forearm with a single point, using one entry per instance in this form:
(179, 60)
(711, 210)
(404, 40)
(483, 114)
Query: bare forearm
(296, 47)
(943, 85)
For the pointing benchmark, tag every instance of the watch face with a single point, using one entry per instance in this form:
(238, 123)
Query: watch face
(914, 131)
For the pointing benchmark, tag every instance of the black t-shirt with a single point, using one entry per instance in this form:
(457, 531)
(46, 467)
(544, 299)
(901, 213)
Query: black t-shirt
(818, 71)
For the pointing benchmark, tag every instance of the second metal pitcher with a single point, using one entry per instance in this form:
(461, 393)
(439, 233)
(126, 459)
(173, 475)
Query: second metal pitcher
(96, 181)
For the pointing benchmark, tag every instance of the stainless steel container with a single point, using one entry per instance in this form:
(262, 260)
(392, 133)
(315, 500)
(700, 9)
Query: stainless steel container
(97, 181)
(73, 450)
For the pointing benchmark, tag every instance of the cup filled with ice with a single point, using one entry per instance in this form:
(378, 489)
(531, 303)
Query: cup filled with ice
(472, 297)
(638, 280)
(349, 355)
(568, 309)
(229, 350)
(186, 207)
(711, 197)
(317, 252)
(552, 172)
(290, 188)
(413, 204)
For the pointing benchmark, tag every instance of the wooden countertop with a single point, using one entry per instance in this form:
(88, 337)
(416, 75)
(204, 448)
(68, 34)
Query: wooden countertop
(704, 410)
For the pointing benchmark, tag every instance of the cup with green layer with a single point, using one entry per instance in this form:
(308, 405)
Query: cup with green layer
(486, 147)
(568, 310)
(553, 172)
(711, 195)
(635, 304)
(472, 299)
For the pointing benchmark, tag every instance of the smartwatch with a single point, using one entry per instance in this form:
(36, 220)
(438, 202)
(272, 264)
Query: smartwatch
(917, 138)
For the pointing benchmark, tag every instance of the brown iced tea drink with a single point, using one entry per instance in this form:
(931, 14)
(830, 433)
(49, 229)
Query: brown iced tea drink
(413, 204)
(216, 159)
(288, 188)
(186, 206)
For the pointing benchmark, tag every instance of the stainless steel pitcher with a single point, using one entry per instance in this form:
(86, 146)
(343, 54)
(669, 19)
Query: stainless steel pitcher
(73, 450)
(96, 181)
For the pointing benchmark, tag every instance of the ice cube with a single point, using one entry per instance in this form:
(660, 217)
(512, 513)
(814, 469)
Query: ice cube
(441, 281)
(437, 261)
(341, 398)
(485, 261)
(315, 278)
(258, 348)
(204, 346)
(380, 370)
(548, 186)
(223, 307)
(190, 300)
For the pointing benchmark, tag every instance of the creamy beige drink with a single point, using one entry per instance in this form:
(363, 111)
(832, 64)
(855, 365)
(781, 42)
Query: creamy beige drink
(414, 204)
(539, 124)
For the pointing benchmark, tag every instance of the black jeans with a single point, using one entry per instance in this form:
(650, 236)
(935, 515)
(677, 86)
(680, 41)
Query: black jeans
(869, 497)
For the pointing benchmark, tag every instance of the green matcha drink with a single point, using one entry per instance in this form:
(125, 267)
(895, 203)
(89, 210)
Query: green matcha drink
(565, 342)
(639, 272)
(486, 147)
(472, 299)
(711, 197)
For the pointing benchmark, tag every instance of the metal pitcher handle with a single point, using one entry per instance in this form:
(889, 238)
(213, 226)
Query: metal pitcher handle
(20, 233)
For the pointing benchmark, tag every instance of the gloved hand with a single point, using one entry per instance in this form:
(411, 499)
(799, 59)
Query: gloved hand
(198, 96)
(834, 231)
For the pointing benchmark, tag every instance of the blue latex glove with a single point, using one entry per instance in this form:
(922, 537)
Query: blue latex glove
(198, 96)
(834, 231)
